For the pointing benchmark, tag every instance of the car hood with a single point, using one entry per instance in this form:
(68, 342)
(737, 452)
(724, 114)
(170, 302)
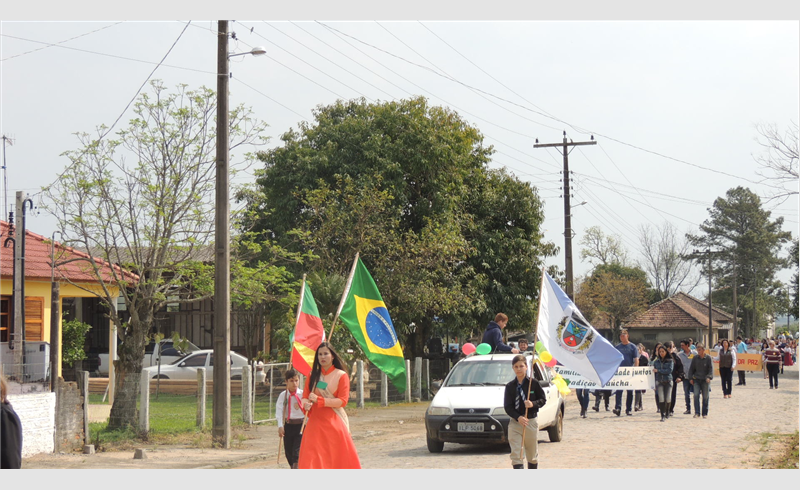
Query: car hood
(470, 397)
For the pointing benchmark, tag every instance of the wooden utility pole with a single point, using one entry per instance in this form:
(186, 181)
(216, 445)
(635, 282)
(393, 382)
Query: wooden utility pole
(567, 208)
(221, 431)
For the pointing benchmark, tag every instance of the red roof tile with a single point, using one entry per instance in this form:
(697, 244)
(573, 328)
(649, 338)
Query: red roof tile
(679, 311)
(73, 266)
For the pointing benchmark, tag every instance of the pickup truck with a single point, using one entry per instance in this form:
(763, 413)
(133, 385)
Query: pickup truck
(169, 353)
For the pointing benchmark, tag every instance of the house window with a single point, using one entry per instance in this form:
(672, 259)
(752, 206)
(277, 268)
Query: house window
(34, 318)
(5, 317)
(649, 336)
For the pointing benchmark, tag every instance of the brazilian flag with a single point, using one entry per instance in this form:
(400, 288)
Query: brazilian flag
(365, 315)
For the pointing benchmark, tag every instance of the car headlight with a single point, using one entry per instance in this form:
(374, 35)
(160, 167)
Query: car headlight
(439, 411)
(499, 411)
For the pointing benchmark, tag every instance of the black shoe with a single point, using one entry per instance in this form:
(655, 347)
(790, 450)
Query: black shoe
(663, 418)
(533, 466)
(606, 408)
(583, 413)
(518, 467)
(628, 413)
(596, 408)
(687, 412)
(616, 412)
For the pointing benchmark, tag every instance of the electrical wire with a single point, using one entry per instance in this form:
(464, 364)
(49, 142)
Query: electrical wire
(60, 42)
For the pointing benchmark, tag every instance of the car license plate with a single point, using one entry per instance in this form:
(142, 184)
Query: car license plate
(470, 426)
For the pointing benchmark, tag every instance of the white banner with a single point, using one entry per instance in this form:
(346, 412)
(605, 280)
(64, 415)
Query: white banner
(627, 378)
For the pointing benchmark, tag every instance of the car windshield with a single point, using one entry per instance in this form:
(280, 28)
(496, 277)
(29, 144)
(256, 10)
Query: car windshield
(180, 359)
(491, 372)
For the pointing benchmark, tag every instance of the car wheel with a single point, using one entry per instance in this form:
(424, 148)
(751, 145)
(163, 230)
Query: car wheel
(556, 431)
(161, 376)
(435, 446)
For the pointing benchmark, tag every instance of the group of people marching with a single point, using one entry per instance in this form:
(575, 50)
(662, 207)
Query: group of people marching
(312, 421)
(692, 366)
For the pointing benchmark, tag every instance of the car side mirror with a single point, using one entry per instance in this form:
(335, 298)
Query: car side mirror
(183, 364)
(544, 384)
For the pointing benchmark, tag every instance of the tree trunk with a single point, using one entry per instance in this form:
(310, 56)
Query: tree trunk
(128, 368)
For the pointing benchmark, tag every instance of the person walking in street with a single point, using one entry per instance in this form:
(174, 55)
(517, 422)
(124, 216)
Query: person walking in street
(598, 395)
(327, 443)
(10, 432)
(677, 374)
(644, 360)
(773, 360)
(701, 372)
(289, 413)
(727, 362)
(662, 367)
(686, 355)
(583, 400)
(741, 348)
(493, 335)
(630, 357)
(522, 401)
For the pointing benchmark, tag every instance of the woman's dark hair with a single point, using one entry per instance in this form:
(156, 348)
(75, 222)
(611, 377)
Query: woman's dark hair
(316, 367)
(655, 349)
(658, 354)
(723, 342)
(669, 345)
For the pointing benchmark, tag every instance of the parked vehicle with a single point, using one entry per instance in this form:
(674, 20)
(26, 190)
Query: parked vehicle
(186, 367)
(169, 354)
(468, 408)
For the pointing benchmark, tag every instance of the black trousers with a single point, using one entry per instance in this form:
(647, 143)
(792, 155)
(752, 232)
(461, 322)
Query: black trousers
(291, 443)
(772, 370)
(672, 404)
(726, 376)
(741, 377)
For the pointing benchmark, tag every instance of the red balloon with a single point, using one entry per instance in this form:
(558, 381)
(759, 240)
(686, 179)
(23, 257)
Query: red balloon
(468, 348)
(551, 362)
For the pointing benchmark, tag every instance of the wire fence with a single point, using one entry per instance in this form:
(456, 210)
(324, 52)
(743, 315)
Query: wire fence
(30, 377)
(176, 406)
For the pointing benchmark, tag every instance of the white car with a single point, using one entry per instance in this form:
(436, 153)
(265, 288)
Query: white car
(468, 408)
(169, 353)
(186, 367)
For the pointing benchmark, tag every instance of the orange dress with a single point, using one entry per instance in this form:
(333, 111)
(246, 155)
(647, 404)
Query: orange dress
(327, 443)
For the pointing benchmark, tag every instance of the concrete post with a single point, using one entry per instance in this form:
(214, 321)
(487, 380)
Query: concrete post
(427, 390)
(360, 384)
(408, 381)
(83, 387)
(418, 379)
(144, 403)
(247, 399)
(201, 397)
(384, 390)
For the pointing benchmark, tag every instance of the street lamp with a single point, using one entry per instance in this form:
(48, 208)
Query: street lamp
(221, 431)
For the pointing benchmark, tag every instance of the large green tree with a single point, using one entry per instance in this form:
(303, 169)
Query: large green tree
(744, 244)
(144, 199)
(407, 185)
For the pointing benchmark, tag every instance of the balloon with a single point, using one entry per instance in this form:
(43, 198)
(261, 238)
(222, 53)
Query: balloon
(545, 357)
(468, 348)
(539, 347)
(483, 349)
(551, 363)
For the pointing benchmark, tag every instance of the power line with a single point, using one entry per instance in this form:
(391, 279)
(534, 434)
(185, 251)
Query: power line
(60, 42)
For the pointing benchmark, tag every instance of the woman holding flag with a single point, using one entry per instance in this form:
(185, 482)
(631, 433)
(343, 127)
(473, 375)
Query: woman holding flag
(327, 443)
(522, 401)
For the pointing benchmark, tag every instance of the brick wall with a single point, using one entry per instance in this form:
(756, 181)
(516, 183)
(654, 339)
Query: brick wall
(36, 413)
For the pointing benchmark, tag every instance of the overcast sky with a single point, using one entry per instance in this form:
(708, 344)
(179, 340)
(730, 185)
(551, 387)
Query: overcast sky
(673, 105)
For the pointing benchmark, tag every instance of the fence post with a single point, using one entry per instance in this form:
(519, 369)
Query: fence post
(418, 379)
(144, 403)
(201, 397)
(360, 383)
(427, 379)
(247, 400)
(83, 387)
(408, 381)
(384, 390)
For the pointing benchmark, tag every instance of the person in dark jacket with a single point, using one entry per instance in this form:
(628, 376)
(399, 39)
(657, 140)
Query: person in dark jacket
(663, 366)
(493, 335)
(522, 401)
(10, 432)
(677, 373)
(701, 371)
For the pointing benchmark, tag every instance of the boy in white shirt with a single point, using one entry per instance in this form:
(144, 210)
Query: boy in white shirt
(290, 414)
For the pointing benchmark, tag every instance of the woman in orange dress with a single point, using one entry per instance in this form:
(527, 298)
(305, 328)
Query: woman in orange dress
(327, 443)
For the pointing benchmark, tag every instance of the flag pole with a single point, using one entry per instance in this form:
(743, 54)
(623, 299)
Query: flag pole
(344, 295)
(533, 358)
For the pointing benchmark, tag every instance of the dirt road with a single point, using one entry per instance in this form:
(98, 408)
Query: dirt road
(394, 437)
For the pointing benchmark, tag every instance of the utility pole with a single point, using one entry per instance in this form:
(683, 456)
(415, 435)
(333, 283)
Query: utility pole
(710, 321)
(567, 208)
(221, 431)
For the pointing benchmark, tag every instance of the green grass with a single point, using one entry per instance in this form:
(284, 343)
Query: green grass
(781, 450)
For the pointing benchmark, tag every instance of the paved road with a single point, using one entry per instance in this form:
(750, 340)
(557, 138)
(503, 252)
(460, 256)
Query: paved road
(394, 437)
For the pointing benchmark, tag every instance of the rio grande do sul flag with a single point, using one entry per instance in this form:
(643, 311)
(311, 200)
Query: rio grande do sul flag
(365, 315)
(571, 340)
(308, 332)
